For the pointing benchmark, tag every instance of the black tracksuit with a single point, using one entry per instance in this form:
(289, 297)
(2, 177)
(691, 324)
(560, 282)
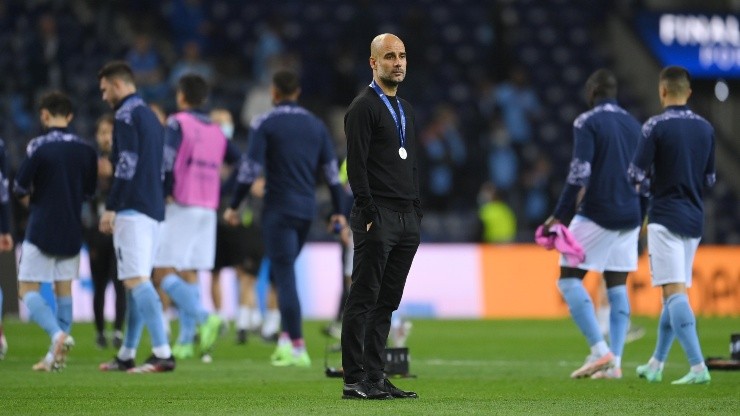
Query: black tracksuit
(386, 191)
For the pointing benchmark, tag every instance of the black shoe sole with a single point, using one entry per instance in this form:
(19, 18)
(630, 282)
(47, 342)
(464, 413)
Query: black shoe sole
(351, 397)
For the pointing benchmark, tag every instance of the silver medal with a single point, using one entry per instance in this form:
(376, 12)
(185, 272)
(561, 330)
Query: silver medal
(402, 153)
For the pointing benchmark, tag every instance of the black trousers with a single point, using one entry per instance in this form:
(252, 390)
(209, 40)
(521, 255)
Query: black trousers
(103, 269)
(382, 260)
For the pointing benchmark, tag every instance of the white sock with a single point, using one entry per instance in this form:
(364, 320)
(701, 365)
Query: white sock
(242, 318)
(599, 349)
(618, 361)
(271, 323)
(255, 318)
(655, 364)
(126, 354)
(162, 351)
(698, 368)
(284, 340)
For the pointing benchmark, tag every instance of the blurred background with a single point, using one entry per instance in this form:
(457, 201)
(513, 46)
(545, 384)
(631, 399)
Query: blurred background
(496, 85)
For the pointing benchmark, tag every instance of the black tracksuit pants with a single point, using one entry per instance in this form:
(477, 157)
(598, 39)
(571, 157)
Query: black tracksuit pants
(382, 260)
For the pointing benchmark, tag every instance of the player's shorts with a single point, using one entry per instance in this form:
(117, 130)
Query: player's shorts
(135, 240)
(187, 238)
(239, 246)
(611, 250)
(671, 255)
(37, 266)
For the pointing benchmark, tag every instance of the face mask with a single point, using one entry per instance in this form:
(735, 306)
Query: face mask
(227, 130)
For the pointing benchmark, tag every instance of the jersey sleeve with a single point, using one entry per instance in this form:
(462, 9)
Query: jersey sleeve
(4, 192)
(639, 169)
(250, 165)
(125, 161)
(358, 124)
(579, 171)
(710, 172)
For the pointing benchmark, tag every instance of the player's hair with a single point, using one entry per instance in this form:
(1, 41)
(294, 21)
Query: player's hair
(117, 69)
(602, 84)
(286, 82)
(57, 103)
(105, 118)
(194, 89)
(676, 80)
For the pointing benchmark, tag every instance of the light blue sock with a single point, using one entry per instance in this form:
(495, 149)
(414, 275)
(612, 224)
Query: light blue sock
(64, 313)
(1, 305)
(134, 323)
(665, 336)
(187, 329)
(581, 308)
(182, 294)
(684, 326)
(202, 313)
(619, 318)
(150, 308)
(41, 313)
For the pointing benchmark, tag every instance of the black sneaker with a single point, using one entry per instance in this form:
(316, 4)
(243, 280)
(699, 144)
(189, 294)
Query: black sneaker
(241, 337)
(101, 341)
(388, 387)
(364, 390)
(117, 365)
(155, 365)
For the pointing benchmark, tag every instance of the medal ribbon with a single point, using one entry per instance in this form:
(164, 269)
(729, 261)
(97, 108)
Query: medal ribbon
(401, 127)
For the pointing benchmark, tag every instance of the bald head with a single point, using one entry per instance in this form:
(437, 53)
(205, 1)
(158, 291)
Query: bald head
(388, 61)
(382, 41)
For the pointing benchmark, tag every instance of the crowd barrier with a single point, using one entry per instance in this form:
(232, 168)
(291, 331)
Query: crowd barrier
(473, 281)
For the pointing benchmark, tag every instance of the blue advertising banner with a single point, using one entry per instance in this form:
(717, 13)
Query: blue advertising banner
(708, 45)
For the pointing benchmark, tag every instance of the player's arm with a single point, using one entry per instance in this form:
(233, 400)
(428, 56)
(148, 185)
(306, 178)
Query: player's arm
(358, 124)
(6, 240)
(330, 167)
(233, 155)
(172, 141)
(710, 172)
(639, 169)
(250, 167)
(578, 174)
(125, 159)
(24, 178)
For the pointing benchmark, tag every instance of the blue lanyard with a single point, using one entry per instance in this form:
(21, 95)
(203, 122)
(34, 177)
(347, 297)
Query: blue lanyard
(401, 127)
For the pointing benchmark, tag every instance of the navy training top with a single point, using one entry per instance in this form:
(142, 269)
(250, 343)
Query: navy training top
(138, 146)
(605, 140)
(4, 192)
(674, 160)
(292, 145)
(59, 171)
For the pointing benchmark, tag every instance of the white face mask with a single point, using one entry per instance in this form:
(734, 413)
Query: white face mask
(228, 130)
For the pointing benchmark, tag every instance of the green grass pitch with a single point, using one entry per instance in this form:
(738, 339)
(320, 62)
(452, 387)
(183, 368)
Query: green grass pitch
(491, 367)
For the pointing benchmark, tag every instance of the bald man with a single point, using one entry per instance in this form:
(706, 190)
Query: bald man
(385, 218)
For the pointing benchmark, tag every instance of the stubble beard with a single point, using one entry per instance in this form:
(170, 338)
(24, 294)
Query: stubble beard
(388, 81)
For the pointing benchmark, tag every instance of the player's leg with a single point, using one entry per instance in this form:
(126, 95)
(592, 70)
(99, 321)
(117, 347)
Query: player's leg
(3, 341)
(284, 238)
(99, 274)
(120, 302)
(596, 242)
(34, 268)
(135, 237)
(272, 321)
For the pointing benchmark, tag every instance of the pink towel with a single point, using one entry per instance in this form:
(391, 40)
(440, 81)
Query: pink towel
(560, 238)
